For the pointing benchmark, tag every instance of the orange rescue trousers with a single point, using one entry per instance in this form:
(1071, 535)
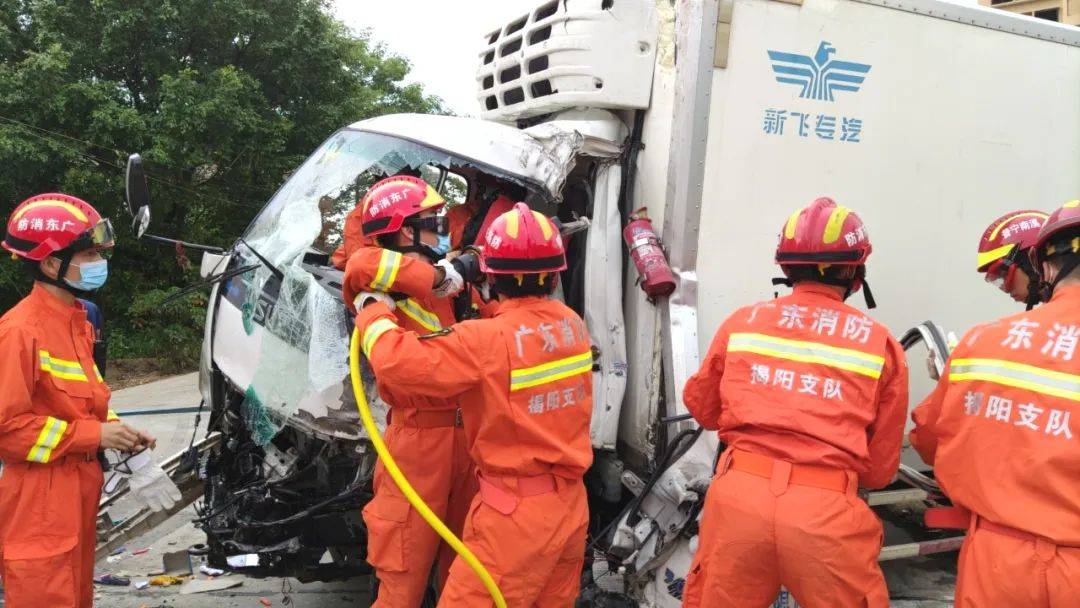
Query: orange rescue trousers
(46, 570)
(401, 546)
(1001, 566)
(530, 535)
(769, 523)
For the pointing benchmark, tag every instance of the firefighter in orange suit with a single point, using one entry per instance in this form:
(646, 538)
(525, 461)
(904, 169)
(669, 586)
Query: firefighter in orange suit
(398, 215)
(524, 379)
(1001, 430)
(809, 395)
(488, 200)
(54, 408)
(352, 238)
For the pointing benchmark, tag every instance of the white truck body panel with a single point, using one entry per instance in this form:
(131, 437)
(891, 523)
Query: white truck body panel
(957, 127)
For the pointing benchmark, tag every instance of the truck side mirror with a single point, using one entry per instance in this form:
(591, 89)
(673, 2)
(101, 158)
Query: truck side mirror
(137, 194)
(141, 222)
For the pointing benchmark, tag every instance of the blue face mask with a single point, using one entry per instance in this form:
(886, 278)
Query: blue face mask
(92, 275)
(443, 246)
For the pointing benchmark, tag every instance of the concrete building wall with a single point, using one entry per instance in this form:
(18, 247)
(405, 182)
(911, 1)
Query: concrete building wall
(1068, 11)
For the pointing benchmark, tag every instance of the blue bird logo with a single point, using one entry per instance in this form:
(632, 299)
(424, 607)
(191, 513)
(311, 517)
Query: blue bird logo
(818, 77)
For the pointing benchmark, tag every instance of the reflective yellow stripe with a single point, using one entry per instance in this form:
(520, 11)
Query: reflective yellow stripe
(986, 257)
(51, 433)
(372, 333)
(512, 225)
(545, 225)
(432, 198)
(112, 416)
(389, 263)
(550, 372)
(72, 209)
(808, 352)
(835, 224)
(1017, 375)
(427, 319)
(97, 373)
(792, 221)
(61, 368)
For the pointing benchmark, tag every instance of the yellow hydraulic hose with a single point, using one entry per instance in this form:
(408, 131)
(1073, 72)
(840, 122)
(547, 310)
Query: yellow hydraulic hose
(403, 483)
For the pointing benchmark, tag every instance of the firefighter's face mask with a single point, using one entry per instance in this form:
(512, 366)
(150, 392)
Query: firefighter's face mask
(92, 275)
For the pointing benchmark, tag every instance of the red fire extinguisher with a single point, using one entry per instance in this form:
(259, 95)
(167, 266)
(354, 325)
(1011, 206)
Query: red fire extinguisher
(652, 266)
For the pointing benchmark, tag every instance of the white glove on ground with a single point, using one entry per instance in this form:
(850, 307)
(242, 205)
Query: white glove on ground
(361, 300)
(150, 485)
(452, 282)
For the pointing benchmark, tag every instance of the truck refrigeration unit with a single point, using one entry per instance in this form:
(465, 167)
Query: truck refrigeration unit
(719, 117)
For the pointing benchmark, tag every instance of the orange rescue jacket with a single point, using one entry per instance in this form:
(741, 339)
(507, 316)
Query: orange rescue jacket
(1002, 427)
(383, 270)
(807, 379)
(524, 377)
(52, 404)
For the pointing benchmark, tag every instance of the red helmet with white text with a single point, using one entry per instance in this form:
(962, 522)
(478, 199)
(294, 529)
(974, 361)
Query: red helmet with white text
(522, 241)
(824, 235)
(54, 223)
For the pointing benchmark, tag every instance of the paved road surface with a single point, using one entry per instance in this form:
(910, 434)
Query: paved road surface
(924, 583)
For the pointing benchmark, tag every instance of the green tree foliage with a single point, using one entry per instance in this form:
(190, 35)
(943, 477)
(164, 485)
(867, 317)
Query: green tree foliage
(222, 97)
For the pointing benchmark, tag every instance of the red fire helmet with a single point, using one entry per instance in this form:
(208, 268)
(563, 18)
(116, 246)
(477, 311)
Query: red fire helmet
(522, 241)
(1008, 232)
(47, 224)
(823, 233)
(1065, 219)
(390, 201)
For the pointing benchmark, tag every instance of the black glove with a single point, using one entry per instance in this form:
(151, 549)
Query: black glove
(468, 266)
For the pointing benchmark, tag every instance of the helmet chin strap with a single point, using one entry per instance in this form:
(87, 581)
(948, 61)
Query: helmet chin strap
(1067, 268)
(65, 264)
(417, 246)
(850, 285)
(1036, 291)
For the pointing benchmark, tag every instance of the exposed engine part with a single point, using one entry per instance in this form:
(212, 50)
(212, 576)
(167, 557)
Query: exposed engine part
(277, 464)
(295, 503)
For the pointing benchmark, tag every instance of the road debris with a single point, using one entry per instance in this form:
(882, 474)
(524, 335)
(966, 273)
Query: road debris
(208, 585)
(112, 580)
(142, 584)
(243, 561)
(211, 572)
(166, 580)
(176, 563)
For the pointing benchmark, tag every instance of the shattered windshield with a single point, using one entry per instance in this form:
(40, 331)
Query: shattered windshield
(302, 361)
(309, 210)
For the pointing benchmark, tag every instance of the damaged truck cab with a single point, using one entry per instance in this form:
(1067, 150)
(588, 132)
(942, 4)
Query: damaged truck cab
(285, 487)
(699, 111)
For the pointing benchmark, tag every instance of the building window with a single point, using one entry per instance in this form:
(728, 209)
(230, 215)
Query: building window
(997, 2)
(1050, 14)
